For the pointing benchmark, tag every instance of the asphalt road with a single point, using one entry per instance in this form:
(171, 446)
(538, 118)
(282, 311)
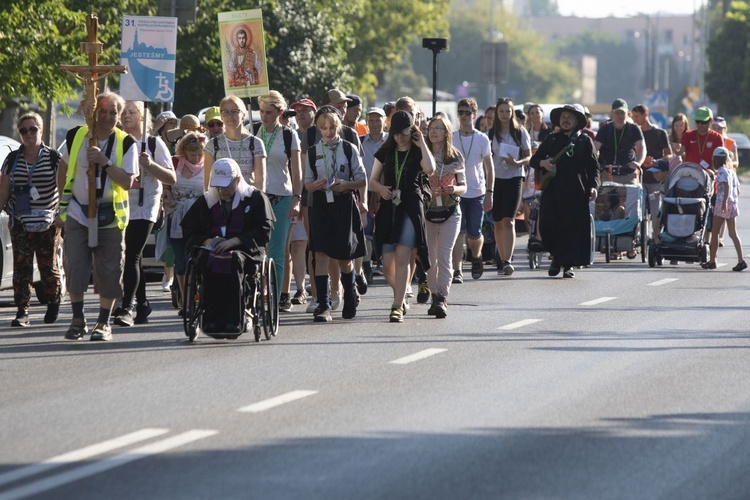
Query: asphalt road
(625, 382)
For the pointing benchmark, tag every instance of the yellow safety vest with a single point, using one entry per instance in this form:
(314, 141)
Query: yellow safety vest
(119, 194)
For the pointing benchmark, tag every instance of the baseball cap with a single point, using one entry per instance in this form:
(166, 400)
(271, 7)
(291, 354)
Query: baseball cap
(377, 111)
(213, 113)
(620, 105)
(327, 109)
(721, 151)
(660, 166)
(703, 114)
(720, 121)
(304, 102)
(400, 121)
(354, 100)
(335, 96)
(223, 172)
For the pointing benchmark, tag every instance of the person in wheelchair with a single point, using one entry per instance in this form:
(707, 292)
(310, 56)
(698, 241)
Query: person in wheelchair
(226, 231)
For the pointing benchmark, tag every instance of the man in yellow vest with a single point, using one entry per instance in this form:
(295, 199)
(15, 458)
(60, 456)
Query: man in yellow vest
(116, 160)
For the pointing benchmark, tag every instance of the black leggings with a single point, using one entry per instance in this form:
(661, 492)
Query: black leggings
(135, 241)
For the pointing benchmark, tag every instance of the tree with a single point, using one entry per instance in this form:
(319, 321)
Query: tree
(728, 81)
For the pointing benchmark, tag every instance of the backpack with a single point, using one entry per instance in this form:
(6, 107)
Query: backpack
(348, 151)
(287, 141)
(251, 146)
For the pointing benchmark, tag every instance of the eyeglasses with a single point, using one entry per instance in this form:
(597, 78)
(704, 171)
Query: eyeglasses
(213, 124)
(464, 112)
(232, 112)
(25, 130)
(436, 129)
(701, 122)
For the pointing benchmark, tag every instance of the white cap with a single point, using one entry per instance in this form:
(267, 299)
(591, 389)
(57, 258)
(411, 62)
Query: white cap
(223, 172)
(721, 151)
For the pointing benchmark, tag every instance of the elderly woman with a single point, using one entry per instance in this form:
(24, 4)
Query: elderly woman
(29, 193)
(238, 143)
(189, 168)
(283, 176)
(145, 204)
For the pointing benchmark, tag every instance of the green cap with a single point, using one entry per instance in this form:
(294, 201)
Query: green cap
(703, 114)
(620, 105)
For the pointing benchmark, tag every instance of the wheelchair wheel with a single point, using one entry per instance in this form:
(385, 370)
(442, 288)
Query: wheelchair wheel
(269, 300)
(192, 302)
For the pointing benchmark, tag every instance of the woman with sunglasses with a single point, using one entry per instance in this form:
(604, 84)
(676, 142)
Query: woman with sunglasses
(213, 122)
(443, 213)
(511, 150)
(29, 192)
(189, 166)
(144, 204)
(283, 177)
(399, 223)
(237, 143)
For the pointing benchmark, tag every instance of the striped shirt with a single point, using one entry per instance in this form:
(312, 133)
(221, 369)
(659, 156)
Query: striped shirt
(43, 179)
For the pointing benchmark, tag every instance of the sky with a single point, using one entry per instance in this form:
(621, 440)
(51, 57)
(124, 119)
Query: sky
(625, 8)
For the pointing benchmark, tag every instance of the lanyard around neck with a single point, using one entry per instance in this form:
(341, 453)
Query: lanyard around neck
(400, 167)
(268, 143)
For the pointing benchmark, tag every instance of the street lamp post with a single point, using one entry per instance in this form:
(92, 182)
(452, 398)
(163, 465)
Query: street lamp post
(435, 45)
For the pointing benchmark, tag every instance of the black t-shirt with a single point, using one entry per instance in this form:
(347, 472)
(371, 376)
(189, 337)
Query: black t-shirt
(656, 142)
(618, 146)
(410, 182)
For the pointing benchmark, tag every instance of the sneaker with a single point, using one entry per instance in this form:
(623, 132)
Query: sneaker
(77, 329)
(409, 291)
(322, 315)
(740, 267)
(335, 300)
(311, 307)
(568, 273)
(123, 317)
(397, 315)
(53, 310)
(142, 312)
(166, 285)
(477, 268)
(101, 331)
(458, 278)
(284, 303)
(423, 292)
(299, 298)
(361, 281)
(508, 268)
(367, 269)
(405, 306)
(441, 307)
(349, 310)
(554, 269)
(22, 319)
(432, 311)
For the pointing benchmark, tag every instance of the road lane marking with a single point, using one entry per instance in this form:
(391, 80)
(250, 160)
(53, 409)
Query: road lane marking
(82, 454)
(519, 324)
(106, 464)
(662, 282)
(416, 356)
(267, 404)
(597, 301)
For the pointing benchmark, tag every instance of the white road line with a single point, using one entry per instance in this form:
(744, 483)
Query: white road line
(267, 404)
(82, 454)
(662, 282)
(597, 301)
(106, 464)
(416, 356)
(519, 324)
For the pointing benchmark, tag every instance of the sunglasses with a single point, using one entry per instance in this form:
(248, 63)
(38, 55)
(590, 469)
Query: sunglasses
(193, 139)
(505, 100)
(213, 123)
(701, 122)
(25, 130)
(464, 112)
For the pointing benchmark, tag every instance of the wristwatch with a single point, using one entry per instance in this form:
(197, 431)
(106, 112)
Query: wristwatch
(107, 165)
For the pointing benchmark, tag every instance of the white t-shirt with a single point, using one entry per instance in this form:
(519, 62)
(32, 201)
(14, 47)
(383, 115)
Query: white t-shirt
(239, 151)
(81, 183)
(278, 176)
(474, 149)
(725, 175)
(502, 170)
(152, 187)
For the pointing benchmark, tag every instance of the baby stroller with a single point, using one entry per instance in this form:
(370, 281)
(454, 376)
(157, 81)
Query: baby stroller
(619, 221)
(685, 210)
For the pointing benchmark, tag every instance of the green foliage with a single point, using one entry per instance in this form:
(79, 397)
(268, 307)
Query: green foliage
(612, 56)
(728, 81)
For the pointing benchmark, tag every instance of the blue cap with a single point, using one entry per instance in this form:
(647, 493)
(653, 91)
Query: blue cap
(660, 166)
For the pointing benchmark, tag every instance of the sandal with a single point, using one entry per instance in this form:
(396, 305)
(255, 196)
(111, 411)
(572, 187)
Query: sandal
(397, 315)
(77, 329)
(740, 267)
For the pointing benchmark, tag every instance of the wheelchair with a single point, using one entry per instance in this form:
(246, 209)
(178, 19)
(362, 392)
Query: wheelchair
(261, 307)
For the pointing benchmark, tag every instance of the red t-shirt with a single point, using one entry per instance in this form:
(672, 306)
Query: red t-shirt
(701, 148)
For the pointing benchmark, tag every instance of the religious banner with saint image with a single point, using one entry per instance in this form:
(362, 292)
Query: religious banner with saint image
(243, 53)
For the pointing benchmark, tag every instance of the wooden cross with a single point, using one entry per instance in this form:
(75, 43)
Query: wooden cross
(90, 75)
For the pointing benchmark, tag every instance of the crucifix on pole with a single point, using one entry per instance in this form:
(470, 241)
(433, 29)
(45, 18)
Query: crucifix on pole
(90, 74)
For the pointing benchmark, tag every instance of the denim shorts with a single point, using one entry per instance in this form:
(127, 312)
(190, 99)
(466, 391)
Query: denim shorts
(407, 237)
(472, 210)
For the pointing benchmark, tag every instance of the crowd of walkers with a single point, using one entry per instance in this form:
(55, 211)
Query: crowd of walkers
(347, 193)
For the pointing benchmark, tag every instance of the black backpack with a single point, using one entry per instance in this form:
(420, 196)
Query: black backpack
(251, 146)
(348, 151)
(287, 141)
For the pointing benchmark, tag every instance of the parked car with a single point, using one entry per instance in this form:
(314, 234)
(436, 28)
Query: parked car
(743, 148)
(6, 254)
